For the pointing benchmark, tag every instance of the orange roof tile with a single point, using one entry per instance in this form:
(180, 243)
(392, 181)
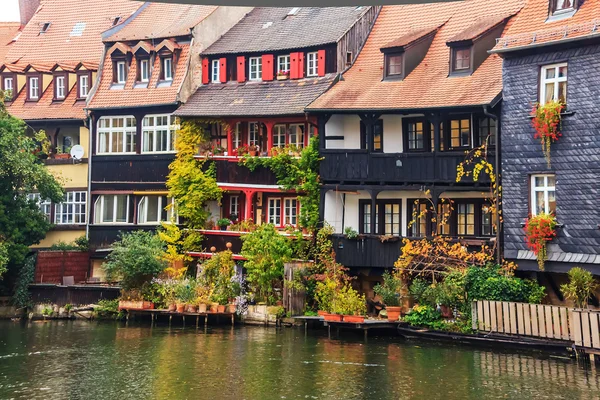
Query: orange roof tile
(480, 27)
(428, 85)
(532, 27)
(153, 94)
(74, 33)
(8, 32)
(410, 37)
(46, 108)
(162, 20)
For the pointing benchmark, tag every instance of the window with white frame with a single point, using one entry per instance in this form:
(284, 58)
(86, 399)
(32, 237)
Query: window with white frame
(34, 88)
(84, 85)
(215, 71)
(297, 135)
(158, 135)
(72, 210)
(168, 69)
(283, 63)
(279, 136)
(274, 212)
(553, 85)
(253, 133)
(255, 64)
(543, 194)
(234, 206)
(60, 87)
(237, 135)
(116, 135)
(144, 70)
(290, 212)
(111, 209)
(8, 88)
(44, 204)
(312, 63)
(153, 210)
(121, 72)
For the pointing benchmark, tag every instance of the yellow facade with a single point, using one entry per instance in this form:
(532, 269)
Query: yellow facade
(55, 236)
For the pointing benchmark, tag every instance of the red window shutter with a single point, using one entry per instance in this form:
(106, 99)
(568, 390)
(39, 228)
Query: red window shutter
(301, 65)
(321, 66)
(267, 67)
(223, 70)
(241, 69)
(294, 66)
(205, 71)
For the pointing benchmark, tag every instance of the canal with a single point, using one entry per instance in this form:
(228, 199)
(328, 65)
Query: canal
(80, 360)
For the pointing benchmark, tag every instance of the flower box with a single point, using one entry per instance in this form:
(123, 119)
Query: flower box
(355, 319)
(135, 305)
(333, 317)
(282, 77)
(321, 313)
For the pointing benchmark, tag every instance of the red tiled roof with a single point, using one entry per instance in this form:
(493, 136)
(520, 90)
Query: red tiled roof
(480, 27)
(532, 26)
(162, 20)
(153, 94)
(410, 37)
(46, 108)
(8, 32)
(61, 42)
(428, 85)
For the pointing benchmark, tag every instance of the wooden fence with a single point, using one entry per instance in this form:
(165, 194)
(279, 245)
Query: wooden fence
(293, 298)
(552, 322)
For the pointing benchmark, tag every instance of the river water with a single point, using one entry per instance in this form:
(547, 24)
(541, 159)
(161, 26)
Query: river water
(81, 360)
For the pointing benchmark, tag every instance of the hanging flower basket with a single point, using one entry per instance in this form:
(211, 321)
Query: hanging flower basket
(547, 124)
(539, 230)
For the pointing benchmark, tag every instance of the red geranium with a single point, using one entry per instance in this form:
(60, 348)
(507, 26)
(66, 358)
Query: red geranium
(546, 122)
(539, 230)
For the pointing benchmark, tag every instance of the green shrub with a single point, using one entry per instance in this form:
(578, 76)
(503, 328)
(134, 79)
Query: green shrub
(350, 233)
(580, 288)
(425, 316)
(390, 290)
(489, 283)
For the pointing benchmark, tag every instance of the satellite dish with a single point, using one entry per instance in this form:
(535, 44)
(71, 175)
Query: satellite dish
(77, 152)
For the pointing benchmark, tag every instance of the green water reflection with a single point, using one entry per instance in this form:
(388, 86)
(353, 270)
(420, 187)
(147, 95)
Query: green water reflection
(78, 360)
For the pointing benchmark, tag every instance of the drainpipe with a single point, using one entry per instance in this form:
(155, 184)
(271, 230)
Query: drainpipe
(497, 165)
(89, 184)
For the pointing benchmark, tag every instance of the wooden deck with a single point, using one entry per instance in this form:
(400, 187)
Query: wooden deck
(155, 314)
(365, 326)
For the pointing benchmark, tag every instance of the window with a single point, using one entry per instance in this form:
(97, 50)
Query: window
(44, 205)
(158, 135)
(366, 218)
(393, 64)
(84, 86)
(432, 134)
(461, 60)
(144, 70)
(312, 63)
(487, 221)
(297, 135)
(543, 194)
(387, 218)
(283, 63)
(377, 137)
(415, 135)
(116, 135)
(34, 88)
(460, 133)
(253, 133)
(391, 218)
(45, 27)
(487, 131)
(553, 85)
(349, 57)
(121, 69)
(7, 83)
(563, 5)
(443, 218)
(215, 71)
(274, 212)
(111, 209)
(167, 69)
(290, 212)
(466, 219)
(72, 211)
(279, 136)
(60, 87)
(255, 68)
(237, 135)
(419, 217)
(155, 209)
(234, 206)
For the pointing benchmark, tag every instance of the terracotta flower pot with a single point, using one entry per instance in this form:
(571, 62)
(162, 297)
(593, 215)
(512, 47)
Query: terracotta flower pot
(202, 308)
(180, 308)
(172, 307)
(232, 308)
(355, 319)
(393, 313)
(321, 313)
(213, 307)
(220, 308)
(446, 311)
(192, 309)
(333, 317)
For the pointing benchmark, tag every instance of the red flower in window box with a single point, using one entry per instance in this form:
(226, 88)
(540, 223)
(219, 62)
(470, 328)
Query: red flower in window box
(539, 230)
(547, 124)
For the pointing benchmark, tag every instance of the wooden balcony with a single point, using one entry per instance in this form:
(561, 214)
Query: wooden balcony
(134, 168)
(366, 251)
(103, 236)
(362, 167)
(229, 170)
(219, 240)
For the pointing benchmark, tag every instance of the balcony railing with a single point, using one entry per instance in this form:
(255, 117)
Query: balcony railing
(131, 168)
(361, 166)
(230, 171)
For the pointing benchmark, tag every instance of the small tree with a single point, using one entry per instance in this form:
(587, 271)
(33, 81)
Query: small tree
(266, 251)
(580, 288)
(137, 257)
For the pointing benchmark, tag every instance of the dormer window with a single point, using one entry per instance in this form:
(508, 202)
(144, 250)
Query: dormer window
(393, 62)
(45, 27)
(60, 86)
(167, 64)
(116, 21)
(83, 85)
(8, 87)
(561, 9)
(402, 55)
(255, 64)
(461, 59)
(312, 64)
(144, 70)
(121, 72)
(215, 71)
(34, 88)
(283, 63)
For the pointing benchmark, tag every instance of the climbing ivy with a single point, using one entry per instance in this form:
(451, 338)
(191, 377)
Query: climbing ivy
(22, 297)
(300, 174)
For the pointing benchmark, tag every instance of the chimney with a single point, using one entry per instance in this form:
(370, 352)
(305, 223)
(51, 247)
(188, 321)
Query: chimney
(27, 8)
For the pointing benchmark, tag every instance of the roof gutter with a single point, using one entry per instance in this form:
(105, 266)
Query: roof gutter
(398, 110)
(176, 103)
(545, 44)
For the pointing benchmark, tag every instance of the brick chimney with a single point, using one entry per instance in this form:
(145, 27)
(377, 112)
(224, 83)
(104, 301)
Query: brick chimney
(27, 8)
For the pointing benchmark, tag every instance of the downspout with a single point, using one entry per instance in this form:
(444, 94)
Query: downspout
(497, 165)
(89, 182)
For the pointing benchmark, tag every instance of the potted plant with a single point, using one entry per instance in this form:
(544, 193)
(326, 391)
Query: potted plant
(390, 295)
(253, 150)
(283, 75)
(214, 307)
(60, 154)
(350, 233)
(581, 287)
(355, 305)
(185, 294)
(242, 150)
(539, 230)
(547, 123)
(223, 223)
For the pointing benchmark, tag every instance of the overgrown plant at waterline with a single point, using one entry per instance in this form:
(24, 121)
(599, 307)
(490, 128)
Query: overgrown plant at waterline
(581, 287)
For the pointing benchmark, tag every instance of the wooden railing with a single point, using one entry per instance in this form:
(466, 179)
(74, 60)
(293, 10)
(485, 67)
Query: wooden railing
(544, 321)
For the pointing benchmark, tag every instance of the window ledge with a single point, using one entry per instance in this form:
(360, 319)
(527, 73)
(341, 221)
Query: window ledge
(563, 114)
(559, 226)
(64, 161)
(117, 86)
